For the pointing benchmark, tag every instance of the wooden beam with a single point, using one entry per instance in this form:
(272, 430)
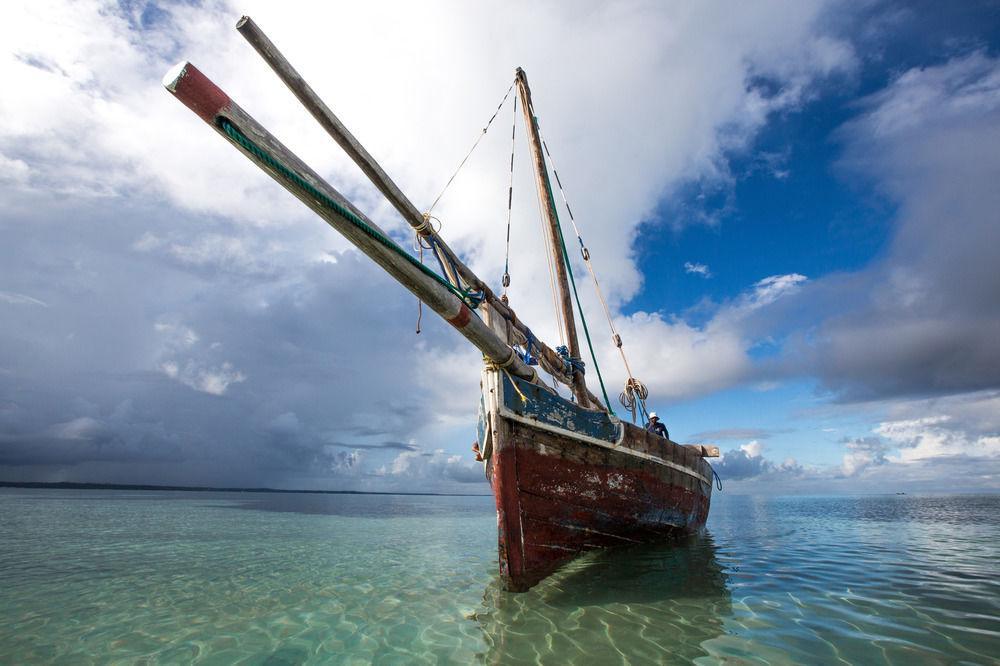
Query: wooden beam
(246, 26)
(211, 104)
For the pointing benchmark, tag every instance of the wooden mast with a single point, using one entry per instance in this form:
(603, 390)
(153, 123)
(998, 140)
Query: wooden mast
(550, 360)
(555, 236)
(215, 107)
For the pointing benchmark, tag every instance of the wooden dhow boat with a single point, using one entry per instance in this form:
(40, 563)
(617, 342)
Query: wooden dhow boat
(567, 474)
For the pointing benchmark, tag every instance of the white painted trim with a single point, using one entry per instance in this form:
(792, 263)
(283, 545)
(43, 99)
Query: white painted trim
(507, 413)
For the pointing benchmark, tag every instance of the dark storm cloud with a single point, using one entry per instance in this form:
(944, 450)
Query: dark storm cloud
(395, 446)
(924, 319)
(734, 433)
(738, 464)
(465, 473)
(120, 357)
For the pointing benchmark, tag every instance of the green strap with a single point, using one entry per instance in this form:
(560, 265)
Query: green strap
(469, 298)
(569, 269)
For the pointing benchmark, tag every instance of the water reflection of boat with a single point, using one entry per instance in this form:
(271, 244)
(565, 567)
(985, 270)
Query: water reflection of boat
(651, 603)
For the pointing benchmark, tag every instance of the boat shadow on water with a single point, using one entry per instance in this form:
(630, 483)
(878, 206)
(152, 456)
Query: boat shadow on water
(649, 603)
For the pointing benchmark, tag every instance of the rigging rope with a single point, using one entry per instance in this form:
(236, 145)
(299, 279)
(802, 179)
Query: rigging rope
(550, 264)
(572, 281)
(471, 150)
(470, 298)
(510, 200)
(629, 395)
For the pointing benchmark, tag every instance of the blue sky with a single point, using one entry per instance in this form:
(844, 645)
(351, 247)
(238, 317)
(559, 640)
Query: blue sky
(792, 207)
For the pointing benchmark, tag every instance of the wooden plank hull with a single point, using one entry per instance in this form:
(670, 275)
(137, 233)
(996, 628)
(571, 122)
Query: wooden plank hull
(560, 490)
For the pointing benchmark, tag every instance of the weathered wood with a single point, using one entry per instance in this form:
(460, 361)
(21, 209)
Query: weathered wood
(563, 492)
(555, 236)
(550, 360)
(207, 100)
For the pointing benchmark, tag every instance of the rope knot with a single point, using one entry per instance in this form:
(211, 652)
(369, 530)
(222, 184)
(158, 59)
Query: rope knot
(571, 364)
(424, 228)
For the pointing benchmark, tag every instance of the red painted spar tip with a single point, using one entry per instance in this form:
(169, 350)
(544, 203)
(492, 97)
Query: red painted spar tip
(463, 317)
(196, 91)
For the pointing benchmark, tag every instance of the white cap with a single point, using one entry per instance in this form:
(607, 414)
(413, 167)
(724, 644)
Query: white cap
(652, 415)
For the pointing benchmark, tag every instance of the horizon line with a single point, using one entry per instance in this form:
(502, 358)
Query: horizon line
(76, 485)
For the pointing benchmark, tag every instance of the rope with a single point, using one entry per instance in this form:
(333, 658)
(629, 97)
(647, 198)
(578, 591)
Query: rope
(524, 398)
(585, 253)
(420, 303)
(550, 264)
(510, 200)
(572, 281)
(718, 479)
(529, 342)
(472, 299)
(633, 396)
(471, 150)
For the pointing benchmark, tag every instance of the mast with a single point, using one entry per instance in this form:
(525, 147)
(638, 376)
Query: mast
(215, 107)
(550, 360)
(555, 236)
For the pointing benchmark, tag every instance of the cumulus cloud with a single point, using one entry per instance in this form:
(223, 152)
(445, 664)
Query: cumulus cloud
(680, 359)
(925, 319)
(748, 462)
(923, 445)
(863, 453)
(412, 467)
(250, 348)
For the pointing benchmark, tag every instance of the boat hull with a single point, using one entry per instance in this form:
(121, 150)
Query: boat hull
(564, 486)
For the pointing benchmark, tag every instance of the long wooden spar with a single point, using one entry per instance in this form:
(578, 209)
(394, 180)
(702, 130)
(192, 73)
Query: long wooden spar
(550, 359)
(544, 188)
(215, 107)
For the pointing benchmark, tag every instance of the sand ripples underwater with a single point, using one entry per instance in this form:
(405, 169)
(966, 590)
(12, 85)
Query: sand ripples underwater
(130, 577)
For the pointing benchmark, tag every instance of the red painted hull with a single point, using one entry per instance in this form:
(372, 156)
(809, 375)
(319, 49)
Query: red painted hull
(559, 496)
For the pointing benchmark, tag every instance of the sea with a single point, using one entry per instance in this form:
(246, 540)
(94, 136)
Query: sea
(157, 577)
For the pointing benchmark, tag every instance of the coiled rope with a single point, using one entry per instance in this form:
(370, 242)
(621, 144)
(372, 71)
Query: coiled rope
(634, 396)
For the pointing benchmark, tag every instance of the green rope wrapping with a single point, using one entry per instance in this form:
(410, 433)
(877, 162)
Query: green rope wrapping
(469, 298)
(569, 269)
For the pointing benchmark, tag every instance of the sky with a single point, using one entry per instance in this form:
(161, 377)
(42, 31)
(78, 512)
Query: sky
(792, 208)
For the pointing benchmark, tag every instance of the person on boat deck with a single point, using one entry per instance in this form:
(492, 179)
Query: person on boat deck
(656, 427)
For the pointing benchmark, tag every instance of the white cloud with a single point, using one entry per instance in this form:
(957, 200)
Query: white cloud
(678, 360)
(772, 288)
(12, 171)
(929, 437)
(20, 299)
(863, 453)
(97, 62)
(435, 467)
(924, 317)
(697, 269)
(193, 277)
(213, 380)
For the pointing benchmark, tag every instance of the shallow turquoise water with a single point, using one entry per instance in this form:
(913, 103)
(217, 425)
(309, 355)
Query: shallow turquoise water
(144, 577)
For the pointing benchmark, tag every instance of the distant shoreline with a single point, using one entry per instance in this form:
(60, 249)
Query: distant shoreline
(68, 485)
